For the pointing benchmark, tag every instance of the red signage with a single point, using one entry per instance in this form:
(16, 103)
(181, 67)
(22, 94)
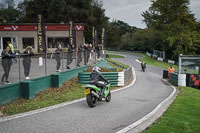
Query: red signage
(79, 27)
(18, 27)
(57, 27)
(49, 27)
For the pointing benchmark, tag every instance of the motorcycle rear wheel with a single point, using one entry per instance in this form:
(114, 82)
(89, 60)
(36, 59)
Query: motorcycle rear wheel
(91, 100)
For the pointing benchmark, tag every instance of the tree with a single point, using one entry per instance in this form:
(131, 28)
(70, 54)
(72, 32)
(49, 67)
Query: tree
(8, 13)
(89, 12)
(176, 24)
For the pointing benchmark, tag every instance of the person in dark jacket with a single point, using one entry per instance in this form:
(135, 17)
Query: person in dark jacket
(97, 49)
(69, 55)
(85, 54)
(58, 57)
(80, 50)
(96, 78)
(7, 56)
(27, 61)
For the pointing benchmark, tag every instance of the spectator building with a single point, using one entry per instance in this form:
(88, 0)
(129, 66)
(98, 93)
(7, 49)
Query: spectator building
(23, 35)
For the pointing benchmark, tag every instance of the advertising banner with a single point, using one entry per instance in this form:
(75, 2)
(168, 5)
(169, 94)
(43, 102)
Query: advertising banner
(41, 35)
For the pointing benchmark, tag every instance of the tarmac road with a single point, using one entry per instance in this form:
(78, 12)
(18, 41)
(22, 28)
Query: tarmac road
(126, 107)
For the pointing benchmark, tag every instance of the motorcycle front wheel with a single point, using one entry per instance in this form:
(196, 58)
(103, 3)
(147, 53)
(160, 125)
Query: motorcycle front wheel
(91, 100)
(108, 98)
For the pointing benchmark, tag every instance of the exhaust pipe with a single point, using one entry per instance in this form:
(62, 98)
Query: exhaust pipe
(94, 93)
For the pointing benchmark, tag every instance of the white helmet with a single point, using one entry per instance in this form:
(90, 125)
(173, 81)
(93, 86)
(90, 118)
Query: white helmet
(96, 69)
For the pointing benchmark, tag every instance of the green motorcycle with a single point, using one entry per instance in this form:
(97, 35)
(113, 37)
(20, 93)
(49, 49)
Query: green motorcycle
(92, 93)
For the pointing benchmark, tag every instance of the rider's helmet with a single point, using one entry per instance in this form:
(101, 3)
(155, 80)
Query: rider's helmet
(96, 69)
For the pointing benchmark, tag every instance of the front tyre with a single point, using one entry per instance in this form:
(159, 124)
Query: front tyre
(91, 100)
(108, 98)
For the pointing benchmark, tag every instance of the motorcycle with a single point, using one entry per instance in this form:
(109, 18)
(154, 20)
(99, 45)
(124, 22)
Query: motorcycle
(93, 96)
(143, 65)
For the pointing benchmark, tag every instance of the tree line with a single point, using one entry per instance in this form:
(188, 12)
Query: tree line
(170, 25)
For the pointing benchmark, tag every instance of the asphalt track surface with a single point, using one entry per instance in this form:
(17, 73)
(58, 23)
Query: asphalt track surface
(126, 107)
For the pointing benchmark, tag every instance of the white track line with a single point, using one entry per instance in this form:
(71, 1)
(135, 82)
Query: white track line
(128, 128)
(3, 119)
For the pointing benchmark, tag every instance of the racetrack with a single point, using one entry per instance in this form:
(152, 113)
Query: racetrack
(126, 107)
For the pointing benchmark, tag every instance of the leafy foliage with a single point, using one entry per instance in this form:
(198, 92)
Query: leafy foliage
(176, 25)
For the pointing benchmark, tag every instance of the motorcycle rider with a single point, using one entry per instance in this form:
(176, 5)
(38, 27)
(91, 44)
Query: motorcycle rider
(96, 77)
(143, 65)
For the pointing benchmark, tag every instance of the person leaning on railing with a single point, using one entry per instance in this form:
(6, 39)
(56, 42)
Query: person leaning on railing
(58, 57)
(27, 61)
(7, 56)
(69, 55)
(79, 50)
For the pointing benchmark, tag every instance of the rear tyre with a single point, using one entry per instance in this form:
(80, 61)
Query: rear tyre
(108, 98)
(91, 100)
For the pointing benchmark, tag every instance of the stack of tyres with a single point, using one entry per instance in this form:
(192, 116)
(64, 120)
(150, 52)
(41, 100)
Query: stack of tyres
(165, 74)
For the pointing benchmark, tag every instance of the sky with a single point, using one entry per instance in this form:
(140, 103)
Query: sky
(130, 11)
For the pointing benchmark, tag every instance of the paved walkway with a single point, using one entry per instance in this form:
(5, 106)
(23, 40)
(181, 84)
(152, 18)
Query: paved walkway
(17, 70)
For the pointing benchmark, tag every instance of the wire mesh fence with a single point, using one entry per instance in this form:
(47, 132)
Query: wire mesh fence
(189, 64)
(30, 66)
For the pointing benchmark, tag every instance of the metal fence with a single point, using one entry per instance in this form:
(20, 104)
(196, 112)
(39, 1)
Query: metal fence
(160, 54)
(37, 65)
(189, 64)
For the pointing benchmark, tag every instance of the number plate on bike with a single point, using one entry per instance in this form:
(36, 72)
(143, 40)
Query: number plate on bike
(87, 91)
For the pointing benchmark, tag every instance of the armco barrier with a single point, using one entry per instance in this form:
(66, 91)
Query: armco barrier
(160, 59)
(171, 61)
(115, 78)
(174, 78)
(128, 75)
(116, 64)
(28, 88)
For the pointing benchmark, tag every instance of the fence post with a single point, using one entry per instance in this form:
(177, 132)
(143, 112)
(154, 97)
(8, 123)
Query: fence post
(179, 65)
(45, 64)
(19, 69)
(62, 62)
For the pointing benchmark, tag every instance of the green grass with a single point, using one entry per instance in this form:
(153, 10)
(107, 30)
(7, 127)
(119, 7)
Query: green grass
(149, 60)
(183, 116)
(125, 66)
(69, 91)
(156, 63)
(109, 58)
(114, 56)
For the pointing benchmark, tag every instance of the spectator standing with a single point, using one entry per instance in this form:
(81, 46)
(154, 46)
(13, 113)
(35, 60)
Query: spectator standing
(69, 55)
(11, 46)
(98, 51)
(58, 57)
(170, 70)
(7, 56)
(27, 61)
(80, 50)
(12, 49)
(85, 54)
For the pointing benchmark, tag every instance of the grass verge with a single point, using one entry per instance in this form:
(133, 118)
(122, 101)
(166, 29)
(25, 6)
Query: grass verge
(156, 63)
(149, 60)
(70, 90)
(183, 116)
(109, 58)
(114, 56)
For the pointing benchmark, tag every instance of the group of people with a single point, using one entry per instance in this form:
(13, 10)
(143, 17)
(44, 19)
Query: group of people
(8, 56)
(84, 49)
